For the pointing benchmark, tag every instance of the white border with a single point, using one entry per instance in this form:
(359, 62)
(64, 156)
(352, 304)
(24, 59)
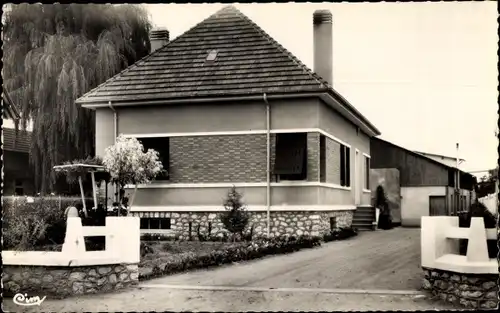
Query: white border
(161, 185)
(250, 208)
(239, 132)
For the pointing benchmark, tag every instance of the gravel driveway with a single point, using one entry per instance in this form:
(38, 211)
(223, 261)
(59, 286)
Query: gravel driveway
(385, 261)
(373, 260)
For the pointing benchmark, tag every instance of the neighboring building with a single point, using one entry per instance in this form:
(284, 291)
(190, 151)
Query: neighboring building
(208, 100)
(446, 160)
(18, 177)
(427, 186)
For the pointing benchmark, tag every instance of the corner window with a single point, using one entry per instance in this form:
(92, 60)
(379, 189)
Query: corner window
(367, 173)
(155, 223)
(291, 156)
(162, 145)
(345, 166)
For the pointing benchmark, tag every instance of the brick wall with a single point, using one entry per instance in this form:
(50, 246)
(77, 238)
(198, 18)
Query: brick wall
(332, 161)
(230, 158)
(313, 157)
(218, 159)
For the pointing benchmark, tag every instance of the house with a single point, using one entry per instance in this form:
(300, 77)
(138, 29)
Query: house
(18, 175)
(226, 105)
(427, 186)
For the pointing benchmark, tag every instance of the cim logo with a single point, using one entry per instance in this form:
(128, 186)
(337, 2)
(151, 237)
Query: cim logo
(24, 300)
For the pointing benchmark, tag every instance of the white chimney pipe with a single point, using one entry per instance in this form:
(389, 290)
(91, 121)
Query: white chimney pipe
(323, 44)
(158, 38)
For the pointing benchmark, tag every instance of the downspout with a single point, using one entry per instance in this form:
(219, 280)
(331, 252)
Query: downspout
(115, 135)
(268, 164)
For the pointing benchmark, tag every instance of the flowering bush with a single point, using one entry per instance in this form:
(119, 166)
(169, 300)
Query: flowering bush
(34, 226)
(127, 163)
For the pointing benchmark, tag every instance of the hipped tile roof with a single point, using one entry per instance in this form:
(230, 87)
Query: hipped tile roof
(248, 62)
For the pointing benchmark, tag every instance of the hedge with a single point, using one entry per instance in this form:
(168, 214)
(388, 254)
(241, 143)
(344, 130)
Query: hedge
(247, 251)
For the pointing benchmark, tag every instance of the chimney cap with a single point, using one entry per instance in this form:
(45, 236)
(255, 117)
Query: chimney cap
(322, 16)
(159, 33)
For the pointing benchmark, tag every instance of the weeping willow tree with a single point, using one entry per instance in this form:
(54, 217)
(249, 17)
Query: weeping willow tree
(54, 53)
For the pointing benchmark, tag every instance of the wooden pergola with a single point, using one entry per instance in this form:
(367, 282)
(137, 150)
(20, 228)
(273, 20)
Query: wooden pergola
(83, 169)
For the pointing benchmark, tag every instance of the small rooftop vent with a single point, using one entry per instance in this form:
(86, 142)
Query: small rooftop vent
(212, 55)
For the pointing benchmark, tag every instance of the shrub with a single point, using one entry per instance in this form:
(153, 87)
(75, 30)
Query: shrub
(29, 225)
(235, 218)
(340, 234)
(477, 209)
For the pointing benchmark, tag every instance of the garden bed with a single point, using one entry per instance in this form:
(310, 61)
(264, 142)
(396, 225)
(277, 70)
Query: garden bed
(164, 258)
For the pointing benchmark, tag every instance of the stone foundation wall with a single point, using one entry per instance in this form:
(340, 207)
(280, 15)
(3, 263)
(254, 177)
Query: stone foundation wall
(58, 281)
(294, 223)
(470, 290)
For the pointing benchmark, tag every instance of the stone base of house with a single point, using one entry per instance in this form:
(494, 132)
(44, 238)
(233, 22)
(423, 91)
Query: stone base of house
(292, 223)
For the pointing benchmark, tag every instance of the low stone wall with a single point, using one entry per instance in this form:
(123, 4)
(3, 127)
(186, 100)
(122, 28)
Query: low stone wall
(58, 281)
(294, 223)
(469, 290)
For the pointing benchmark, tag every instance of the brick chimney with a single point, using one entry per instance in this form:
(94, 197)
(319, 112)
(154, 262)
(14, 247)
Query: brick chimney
(158, 37)
(322, 29)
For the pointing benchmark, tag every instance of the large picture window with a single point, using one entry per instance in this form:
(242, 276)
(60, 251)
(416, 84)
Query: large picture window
(345, 166)
(162, 145)
(291, 156)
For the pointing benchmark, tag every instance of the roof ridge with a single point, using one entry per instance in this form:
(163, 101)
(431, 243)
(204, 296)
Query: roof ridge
(279, 46)
(138, 62)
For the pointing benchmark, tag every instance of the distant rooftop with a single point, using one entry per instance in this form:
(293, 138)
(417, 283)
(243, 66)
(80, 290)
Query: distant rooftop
(438, 155)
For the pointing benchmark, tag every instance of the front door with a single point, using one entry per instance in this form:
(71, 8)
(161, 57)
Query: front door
(357, 178)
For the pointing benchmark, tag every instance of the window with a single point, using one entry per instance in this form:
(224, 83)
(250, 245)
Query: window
(19, 188)
(322, 158)
(155, 223)
(291, 156)
(345, 166)
(367, 173)
(162, 145)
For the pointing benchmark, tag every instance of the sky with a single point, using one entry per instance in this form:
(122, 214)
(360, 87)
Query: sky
(425, 74)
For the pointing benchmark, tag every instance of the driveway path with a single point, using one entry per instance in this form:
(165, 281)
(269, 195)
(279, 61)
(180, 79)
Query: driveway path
(386, 262)
(373, 260)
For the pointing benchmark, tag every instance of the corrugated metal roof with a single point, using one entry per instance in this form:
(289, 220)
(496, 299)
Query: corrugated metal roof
(19, 143)
(9, 109)
(248, 61)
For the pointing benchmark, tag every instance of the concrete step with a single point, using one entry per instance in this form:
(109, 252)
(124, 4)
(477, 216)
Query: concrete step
(363, 220)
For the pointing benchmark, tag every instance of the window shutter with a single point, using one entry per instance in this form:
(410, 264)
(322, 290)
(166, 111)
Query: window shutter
(348, 166)
(342, 166)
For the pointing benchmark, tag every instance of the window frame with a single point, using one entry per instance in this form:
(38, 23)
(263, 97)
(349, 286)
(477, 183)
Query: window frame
(345, 166)
(167, 221)
(291, 177)
(367, 167)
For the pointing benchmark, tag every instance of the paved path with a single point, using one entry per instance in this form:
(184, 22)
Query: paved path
(309, 280)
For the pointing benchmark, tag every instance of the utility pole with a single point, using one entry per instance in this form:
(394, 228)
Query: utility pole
(457, 182)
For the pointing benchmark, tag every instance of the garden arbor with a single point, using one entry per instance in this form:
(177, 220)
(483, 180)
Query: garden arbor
(76, 171)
